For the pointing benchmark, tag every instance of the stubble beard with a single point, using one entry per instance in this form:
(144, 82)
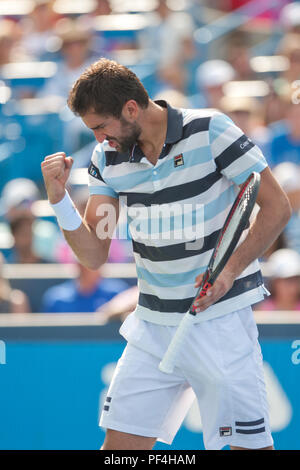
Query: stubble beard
(131, 133)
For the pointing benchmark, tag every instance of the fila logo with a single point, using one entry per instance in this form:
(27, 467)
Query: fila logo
(178, 160)
(281, 409)
(107, 400)
(225, 431)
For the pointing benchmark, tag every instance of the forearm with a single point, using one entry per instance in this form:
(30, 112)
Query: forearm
(88, 248)
(264, 230)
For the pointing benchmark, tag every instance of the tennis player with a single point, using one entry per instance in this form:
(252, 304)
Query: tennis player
(167, 165)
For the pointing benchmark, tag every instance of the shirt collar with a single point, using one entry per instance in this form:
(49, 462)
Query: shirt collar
(175, 122)
(174, 129)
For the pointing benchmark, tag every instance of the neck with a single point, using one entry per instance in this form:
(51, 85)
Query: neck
(87, 283)
(154, 122)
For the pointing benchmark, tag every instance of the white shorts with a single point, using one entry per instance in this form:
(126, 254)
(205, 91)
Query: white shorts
(220, 364)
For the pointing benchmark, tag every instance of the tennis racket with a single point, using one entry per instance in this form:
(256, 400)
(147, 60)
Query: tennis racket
(228, 238)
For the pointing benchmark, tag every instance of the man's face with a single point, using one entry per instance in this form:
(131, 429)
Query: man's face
(121, 134)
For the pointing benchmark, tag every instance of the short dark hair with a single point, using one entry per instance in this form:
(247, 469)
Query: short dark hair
(105, 87)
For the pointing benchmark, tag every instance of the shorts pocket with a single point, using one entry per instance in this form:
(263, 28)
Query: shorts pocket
(234, 342)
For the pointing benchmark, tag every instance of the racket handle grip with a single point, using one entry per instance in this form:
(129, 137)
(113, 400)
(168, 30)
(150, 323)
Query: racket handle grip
(168, 361)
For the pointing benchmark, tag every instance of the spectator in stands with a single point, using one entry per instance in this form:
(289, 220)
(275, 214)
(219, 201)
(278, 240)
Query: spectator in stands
(18, 195)
(283, 270)
(169, 43)
(112, 41)
(290, 48)
(290, 17)
(288, 176)
(270, 13)
(285, 135)
(21, 227)
(38, 30)
(174, 97)
(211, 76)
(273, 111)
(10, 35)
(76, 57)
(243, 111)
(120, 306)
(238, 55)
(246, 113)
(86, 293)
(40, 236)
(100, 41)
(102, 7)
(11, 300)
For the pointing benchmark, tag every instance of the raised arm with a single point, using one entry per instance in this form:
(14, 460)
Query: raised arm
(91, 241)
(89, 237)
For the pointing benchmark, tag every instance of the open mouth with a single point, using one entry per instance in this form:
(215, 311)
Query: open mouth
(113, 143)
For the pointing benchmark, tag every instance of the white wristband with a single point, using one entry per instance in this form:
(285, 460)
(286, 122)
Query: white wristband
(66, 213)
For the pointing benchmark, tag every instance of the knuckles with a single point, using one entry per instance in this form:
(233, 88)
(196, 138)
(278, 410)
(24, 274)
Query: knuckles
(54, 158)
(56, 162)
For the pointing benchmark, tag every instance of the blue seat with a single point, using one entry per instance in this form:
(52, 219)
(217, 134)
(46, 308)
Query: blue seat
(28, 77)
(25, 139)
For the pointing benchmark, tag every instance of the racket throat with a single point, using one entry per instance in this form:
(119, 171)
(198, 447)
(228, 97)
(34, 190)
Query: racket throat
(204, 289)
(206, 284)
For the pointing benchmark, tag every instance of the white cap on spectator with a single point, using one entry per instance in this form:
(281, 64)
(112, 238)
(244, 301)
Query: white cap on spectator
(283, 263)
(18, 192)
(290, 15)
(288, 175)
(214, 73)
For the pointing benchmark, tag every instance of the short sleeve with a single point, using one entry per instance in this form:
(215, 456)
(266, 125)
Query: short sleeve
(97, 185)
(235, 155)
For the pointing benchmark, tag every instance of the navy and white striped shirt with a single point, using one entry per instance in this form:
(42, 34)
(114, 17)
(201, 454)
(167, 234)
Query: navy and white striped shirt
(177, 207)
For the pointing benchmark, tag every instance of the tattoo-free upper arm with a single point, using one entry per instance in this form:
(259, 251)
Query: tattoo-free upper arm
(101, 215)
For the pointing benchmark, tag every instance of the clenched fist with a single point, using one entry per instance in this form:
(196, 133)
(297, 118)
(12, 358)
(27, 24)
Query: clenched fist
(56, 169)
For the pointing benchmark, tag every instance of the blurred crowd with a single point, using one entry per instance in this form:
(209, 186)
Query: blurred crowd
(193, 53)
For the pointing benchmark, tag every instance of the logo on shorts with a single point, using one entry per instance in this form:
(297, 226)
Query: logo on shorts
(225, 431)
(106, 406)
(178, 160)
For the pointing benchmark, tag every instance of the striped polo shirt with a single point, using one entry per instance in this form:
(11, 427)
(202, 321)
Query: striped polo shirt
(176, 208)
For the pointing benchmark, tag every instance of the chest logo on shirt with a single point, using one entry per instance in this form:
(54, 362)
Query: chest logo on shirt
(178, 160)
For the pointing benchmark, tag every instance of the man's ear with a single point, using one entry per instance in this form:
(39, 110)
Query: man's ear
(130, 110)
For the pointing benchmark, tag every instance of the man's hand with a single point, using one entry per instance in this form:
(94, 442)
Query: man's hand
(56, 169)
(222, 285)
